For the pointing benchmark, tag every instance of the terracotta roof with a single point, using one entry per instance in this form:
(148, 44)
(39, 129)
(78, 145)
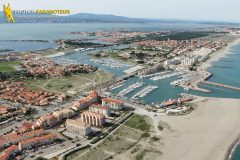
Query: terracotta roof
(37, 139)
(109, 100)
(8, 152)
(100, 107)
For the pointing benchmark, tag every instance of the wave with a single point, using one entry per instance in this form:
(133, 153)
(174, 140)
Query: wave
(234, 147)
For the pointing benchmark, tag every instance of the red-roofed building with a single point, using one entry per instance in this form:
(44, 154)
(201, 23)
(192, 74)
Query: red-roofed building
(9, 153)
(14, 138)
(105, 110)
(113, 103)
(84, 103)
(26, 127)
(37, 141)
(47, 121)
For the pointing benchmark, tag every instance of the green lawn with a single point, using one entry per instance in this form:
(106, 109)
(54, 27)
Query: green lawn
(8, 66)
(138, 122)
(75, 82)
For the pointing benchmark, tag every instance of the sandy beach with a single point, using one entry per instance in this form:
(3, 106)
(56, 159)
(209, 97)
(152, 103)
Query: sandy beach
(205, 134)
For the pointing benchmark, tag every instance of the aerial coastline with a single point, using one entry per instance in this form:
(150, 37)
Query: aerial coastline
(219, 54)
(104, 81)
(57, 91)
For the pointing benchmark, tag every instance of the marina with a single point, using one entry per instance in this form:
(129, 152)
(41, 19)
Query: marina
(130, 89)
(110, 63)
(147, 90)
(118, 85)
(64, 61)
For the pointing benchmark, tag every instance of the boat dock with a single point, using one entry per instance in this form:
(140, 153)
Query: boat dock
(166, 76)
(154, 74)
(144, 92)
(120, 84)
(221, 85)
(130, 89)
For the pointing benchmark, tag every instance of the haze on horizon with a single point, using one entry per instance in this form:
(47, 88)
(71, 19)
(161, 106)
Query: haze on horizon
(215, 10)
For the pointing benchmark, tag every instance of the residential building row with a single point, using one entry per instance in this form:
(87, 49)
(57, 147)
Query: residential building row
(17, 92)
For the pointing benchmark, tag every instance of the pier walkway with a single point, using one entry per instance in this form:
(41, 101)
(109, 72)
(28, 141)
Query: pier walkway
(221, 85)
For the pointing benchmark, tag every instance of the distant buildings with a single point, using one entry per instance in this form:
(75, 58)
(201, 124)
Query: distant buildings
(189, 61)
(40, 66)
(174, 61)
(78, 127)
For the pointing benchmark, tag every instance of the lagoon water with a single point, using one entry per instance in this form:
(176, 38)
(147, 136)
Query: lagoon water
(226, 70)
(51, 31)
(21, 46)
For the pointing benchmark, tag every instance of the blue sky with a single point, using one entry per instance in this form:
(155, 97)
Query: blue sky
(223, 10)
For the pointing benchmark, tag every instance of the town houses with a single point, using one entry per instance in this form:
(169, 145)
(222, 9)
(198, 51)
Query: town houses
(40, 66)
(33, 139)
(86, 102)
(9, 153)
(14, 138)
(18, 92)
(37, 141)
(83, 117)
(7, 112)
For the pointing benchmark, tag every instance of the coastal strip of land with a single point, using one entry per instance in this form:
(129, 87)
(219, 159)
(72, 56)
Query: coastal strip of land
(205, 134)
(219, 54)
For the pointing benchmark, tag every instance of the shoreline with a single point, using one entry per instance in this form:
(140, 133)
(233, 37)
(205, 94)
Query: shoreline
(212, 139)
(216, 56)
(232, 148)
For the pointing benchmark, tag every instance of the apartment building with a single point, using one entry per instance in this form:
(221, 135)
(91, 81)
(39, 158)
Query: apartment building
(104, 110)
(78, 127)
(95, 119)
(113, 103)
